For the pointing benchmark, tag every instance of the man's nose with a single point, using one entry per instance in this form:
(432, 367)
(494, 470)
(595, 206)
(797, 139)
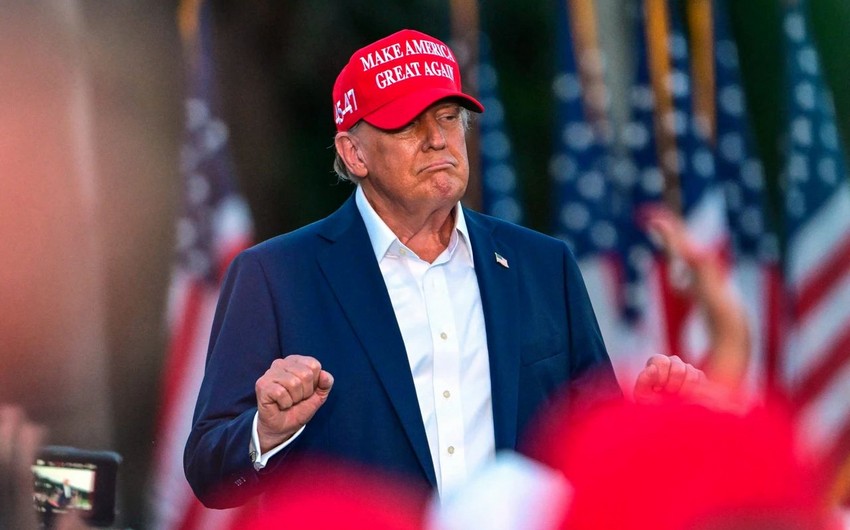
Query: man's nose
(434, 134)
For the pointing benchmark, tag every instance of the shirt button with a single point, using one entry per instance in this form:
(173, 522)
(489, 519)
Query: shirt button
(447, 394)
(451, 449)
(402, 252)
(443, 335)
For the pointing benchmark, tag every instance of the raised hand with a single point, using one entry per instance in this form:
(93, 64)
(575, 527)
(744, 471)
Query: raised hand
(665, 375)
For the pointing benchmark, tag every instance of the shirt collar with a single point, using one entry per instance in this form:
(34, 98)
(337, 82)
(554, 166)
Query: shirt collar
(382, 237)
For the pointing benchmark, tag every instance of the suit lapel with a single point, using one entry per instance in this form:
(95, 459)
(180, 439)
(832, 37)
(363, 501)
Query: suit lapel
(352, 272)
(499, 288)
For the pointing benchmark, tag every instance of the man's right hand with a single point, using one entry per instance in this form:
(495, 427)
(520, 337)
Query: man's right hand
(288, 395)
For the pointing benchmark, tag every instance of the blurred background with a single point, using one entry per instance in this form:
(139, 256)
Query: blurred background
(142, 142)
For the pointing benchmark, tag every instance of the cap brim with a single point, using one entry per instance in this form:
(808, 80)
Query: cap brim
(400, 112)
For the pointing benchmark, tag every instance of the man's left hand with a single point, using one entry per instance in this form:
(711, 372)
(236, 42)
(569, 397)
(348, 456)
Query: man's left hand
(668, 376)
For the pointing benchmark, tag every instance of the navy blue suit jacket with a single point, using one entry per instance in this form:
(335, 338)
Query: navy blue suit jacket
(318, 291)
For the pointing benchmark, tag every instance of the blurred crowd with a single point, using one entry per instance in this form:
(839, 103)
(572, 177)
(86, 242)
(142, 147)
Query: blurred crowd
(671, 465)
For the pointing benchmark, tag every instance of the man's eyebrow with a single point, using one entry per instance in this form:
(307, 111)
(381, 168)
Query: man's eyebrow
(450, 106)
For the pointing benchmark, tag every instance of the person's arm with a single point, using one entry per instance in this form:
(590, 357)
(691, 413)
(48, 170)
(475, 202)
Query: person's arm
(246, 376)
(709, 285)
(726, 319)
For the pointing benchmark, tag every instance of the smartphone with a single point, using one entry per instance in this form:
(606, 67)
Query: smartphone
(68, 479)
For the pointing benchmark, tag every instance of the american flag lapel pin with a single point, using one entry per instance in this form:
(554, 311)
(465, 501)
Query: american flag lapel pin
(501, 260)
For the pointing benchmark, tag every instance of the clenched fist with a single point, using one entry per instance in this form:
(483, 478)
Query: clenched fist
(670, 376)
(288, 395)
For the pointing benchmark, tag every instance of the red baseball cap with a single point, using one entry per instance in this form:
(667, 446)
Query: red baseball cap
(391, 81)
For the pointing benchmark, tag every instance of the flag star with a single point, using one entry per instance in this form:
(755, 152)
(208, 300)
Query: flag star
(567, 87)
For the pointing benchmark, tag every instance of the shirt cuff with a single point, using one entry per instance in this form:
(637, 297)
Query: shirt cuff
(260, 460)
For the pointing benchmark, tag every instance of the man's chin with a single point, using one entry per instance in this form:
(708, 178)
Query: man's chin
(450, 188)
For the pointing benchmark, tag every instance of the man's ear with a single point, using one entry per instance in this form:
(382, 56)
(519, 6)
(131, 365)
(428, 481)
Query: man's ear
(351, 154)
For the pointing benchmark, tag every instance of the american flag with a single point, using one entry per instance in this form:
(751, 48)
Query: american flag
(700, 195)
(584, 216)
(817, 267)
(664, 148)
(755, 248)
(639, 178)
(586, 211)
(213, 226)
(501, 196)
(639, 183)
(604, 183)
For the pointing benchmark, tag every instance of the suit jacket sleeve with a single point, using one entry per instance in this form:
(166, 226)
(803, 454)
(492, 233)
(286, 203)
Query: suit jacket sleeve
(593, 380)
(243, 344)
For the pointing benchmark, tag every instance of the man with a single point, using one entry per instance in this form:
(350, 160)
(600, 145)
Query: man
(440, 330)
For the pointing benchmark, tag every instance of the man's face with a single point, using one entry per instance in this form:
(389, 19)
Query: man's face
(422, 166)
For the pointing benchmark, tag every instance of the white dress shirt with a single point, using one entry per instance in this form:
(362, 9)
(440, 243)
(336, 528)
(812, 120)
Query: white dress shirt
(438, 309)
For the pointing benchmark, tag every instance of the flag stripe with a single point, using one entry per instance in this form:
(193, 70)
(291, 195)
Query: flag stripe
(171, 494)
(180, 351)
(820, 376)
(815, 240)
(815, 335)
(823, 278)
(821, 420)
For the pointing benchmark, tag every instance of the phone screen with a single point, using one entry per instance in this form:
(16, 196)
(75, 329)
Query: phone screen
(68, 479)
(63, 486)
